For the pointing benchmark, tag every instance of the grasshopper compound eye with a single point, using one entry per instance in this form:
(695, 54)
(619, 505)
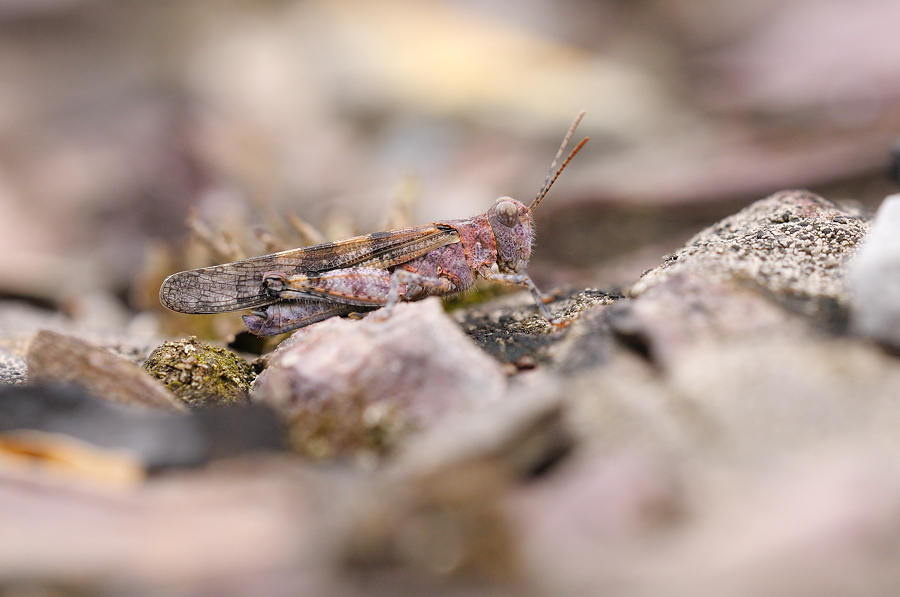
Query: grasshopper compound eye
(507, 213)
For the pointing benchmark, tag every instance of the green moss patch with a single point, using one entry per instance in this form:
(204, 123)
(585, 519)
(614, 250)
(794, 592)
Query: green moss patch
(200, 374)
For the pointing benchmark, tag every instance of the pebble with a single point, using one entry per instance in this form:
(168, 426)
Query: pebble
(755, 246)
(13, 369)
(416, 367)
(200, 374)
(875, 278)
(58, 358)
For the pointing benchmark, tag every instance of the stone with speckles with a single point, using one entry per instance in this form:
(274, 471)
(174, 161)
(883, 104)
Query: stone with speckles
(13, 369)
(793, 243)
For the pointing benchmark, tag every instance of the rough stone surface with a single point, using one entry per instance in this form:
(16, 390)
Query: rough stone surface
(687, 307)
(875, 276)
(519, 435)
(512, 330)
(13, 369)
(347, 384)
(438, 507)
(763, 396)
(733, 438)
(793, 243)
(743, 352)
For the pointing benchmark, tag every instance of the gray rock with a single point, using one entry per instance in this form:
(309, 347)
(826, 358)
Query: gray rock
(690, 306)
(792, 244)
(20, 322)
(628, 403)
(875, 278)
(729, 354)
(518, 435)
(13, 369)
(438, 507)
(60, 359)
(511, 329)
(359, 384)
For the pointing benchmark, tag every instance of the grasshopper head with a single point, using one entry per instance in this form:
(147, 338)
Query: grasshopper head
(511, 220)
(511, 223)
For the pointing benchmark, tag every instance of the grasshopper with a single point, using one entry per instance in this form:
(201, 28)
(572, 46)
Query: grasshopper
(295, 288)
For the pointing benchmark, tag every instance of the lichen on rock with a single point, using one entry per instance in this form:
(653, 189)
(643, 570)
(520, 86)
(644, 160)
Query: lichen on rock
(200, 374)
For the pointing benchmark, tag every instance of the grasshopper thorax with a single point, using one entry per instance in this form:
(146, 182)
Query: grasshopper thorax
(511, 224)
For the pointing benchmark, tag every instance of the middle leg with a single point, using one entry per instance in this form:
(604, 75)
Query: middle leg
(402, 279)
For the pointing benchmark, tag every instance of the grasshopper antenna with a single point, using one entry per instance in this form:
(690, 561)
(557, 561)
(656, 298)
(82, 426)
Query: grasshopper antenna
(554, 174)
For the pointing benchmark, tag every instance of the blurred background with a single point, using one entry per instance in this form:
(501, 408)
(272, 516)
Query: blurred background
(117, 118)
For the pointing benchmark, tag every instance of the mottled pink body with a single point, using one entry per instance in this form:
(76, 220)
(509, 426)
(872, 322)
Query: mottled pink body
(361, 286)
(494, 245)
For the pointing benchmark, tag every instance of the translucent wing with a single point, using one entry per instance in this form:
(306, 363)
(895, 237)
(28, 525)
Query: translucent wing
(238, 285)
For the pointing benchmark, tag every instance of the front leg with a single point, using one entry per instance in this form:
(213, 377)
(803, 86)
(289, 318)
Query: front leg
(523, 280)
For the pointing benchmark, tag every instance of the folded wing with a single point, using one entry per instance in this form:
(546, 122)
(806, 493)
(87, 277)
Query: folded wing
(239, 285)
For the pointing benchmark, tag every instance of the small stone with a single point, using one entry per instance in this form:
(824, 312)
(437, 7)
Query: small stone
(58, 358)
(512, 330)
(749, 246)
(875, 278)
(13, 369)
(416, 366)
(200, 374)
(438, 508)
